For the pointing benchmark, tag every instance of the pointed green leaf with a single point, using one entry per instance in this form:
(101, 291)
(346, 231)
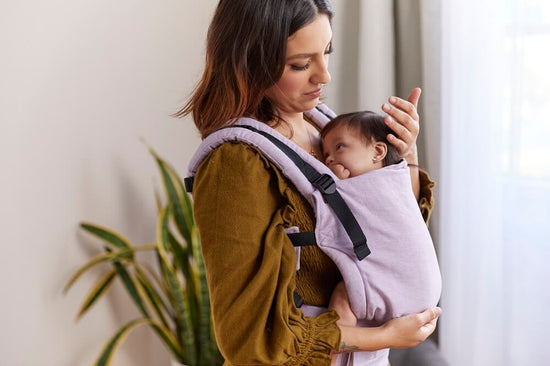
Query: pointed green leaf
(131, 288)
(162, 237)
(96, 292)
(160, 284)
(174, 195)
(144, 247)
(186, 199)
(154, 298)
(115, 341)
(177, 295)
(181, 255)
(107, 235)
(158, 200)
(169, 340)
(104, 257)
(203, 297)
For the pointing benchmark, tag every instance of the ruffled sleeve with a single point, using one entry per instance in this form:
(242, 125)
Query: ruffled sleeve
(426, 201)
(251, 264)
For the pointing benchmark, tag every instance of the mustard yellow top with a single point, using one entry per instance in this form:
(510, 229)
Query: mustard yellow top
(242, 204)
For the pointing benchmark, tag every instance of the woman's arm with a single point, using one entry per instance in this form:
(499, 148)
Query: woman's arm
(251, 264)
(403, 119)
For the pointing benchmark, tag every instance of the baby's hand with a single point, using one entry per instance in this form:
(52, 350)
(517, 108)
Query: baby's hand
(340, 171)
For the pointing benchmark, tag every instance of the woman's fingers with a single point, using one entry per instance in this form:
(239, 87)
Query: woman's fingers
(428, 319)
(403, 120)
(414, 96)
(406, 108)
(401, 146)
(430, 315)
(406, 113)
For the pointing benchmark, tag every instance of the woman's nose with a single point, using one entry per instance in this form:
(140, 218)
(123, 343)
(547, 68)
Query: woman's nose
(322, 75)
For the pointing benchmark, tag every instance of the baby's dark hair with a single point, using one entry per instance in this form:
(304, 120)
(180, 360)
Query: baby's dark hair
(370, 126)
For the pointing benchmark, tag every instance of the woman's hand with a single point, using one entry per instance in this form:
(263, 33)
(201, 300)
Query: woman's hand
(403, 332)
(411, 330)
(403, 119)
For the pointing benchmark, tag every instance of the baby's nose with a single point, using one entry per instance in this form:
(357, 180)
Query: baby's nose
(329, 160)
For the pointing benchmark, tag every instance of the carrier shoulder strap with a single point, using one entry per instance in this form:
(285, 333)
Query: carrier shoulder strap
(327, 186)
(323, 182)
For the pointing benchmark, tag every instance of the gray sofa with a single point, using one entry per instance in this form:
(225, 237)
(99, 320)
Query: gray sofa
(425, 354)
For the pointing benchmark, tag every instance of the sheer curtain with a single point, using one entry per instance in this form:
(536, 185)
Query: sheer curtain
(495, 182)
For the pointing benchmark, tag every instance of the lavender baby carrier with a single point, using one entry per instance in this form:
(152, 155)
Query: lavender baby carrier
(369, 225)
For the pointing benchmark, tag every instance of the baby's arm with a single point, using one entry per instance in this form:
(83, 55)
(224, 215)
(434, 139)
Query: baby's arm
(340, 302)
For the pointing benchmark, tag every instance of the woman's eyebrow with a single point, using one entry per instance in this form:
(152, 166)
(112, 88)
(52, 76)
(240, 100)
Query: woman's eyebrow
(301, 55)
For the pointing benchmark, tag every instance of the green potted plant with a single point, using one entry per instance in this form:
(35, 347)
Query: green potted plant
(173, 298)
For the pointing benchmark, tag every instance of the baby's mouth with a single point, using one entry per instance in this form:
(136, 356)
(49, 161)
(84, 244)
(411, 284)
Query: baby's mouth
(339, 170)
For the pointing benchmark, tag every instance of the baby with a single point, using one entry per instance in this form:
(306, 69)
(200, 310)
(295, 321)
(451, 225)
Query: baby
(354, 144)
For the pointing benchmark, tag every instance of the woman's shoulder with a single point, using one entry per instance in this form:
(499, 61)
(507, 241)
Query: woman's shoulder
(238, 159)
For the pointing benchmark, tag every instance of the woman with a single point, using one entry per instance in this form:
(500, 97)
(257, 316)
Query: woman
(268, 60)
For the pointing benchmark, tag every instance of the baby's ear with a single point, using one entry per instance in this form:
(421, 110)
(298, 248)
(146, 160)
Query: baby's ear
(380, 150)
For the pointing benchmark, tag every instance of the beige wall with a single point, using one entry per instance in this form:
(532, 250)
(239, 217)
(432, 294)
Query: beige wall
(80, 83)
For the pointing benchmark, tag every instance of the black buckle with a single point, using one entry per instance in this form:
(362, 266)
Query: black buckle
(325, 184)
(298, 301)
(189, 184)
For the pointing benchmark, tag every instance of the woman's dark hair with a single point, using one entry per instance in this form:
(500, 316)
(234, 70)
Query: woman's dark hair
(370, 126)
(245, 55)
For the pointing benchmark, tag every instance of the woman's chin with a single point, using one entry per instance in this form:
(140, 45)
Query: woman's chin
(310, 104)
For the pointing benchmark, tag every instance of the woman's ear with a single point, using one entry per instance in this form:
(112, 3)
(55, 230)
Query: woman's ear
(380, 150)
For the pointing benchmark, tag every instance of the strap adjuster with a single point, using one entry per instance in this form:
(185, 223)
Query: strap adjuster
(188, 181)
(325, 184)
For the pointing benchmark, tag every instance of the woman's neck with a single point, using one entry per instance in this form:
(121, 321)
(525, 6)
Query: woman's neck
(302, 133)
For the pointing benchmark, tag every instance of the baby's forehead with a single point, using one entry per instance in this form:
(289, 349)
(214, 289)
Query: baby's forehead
(344, 129)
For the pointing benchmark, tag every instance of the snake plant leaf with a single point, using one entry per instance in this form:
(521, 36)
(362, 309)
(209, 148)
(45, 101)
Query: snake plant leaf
(107, 235)
(179, 298)
(99, 289)
(100, 258)
(217, 358)
(119, 337)
(131, 287)
(169, 340)
(173, 192)
(203, 297)
(187, 204)
(181, 253)
(181, 258)
(158, 201)
(152, 274)
(156, 302)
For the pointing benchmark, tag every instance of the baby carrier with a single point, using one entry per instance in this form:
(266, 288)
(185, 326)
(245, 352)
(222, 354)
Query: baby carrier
(369, 225)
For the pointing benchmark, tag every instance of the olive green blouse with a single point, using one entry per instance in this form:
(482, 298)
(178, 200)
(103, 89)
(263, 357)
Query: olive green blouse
(242, 205)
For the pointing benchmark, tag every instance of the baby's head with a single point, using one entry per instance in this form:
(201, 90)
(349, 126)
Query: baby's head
(356, 143)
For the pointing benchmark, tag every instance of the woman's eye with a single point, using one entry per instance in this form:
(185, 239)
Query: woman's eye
(300, 67)
(329, 50)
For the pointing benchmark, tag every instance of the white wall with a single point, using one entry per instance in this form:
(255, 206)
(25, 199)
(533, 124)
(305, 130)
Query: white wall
(81, 82)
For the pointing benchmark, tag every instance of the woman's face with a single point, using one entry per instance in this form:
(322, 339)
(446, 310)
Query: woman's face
(305, 73)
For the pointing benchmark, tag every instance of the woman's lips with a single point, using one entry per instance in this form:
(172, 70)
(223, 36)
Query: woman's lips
(315, 94)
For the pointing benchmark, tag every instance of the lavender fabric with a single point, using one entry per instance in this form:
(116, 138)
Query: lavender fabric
(401, 275)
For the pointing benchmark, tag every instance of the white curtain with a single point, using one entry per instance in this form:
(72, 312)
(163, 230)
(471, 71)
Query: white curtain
(363, 64)
(388, 47)
(495, 182)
